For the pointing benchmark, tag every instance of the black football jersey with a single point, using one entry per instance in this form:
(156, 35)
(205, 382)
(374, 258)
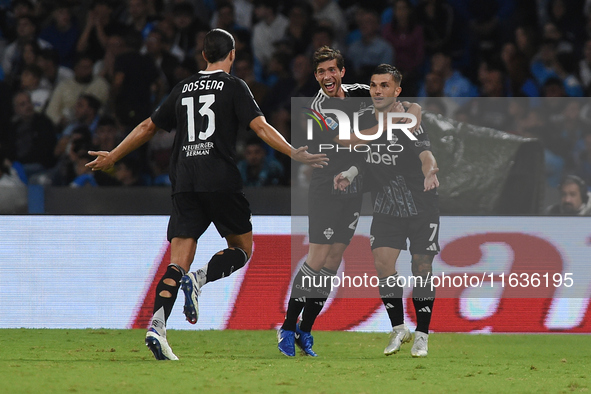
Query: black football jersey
(397, 180)
(342, 158)
(207, 110)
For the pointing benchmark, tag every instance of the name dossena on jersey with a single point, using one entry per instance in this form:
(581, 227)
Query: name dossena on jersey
(210, 84)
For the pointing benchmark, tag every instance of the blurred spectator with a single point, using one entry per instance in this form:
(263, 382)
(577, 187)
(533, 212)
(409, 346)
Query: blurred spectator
(128, 171)
(32, 137)
(186, 26)
(26, 32)
(166, 63)
(582, 157)
(371, 50)
(5, 108)
(135, 79)
(585, 66)
(159, 152)
(489, 22)
(71, 163)
(62, 33)
(53, 73)
(520, 81)
(167, 27)
(328, 13)
(99, 26)
(565, 69)
(13, 192)
(551, 32)
(574, 198)
(455, 84)
(107, 134)
(257, 169)
(86, 114)
(243, 69)
(242, 11)
(63, 100)
(526, 41)
(406, 37)
(139, 18)
(105, 67)
(543, 65)
(226, 18)
(568, 19)
(299, 31)
(322, 36)
(437, 18)
(30, 81)
(18, 8)
(270, 29)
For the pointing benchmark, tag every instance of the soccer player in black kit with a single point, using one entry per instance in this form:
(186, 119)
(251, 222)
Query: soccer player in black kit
(207, 110)
(332, 214)
(405, 205)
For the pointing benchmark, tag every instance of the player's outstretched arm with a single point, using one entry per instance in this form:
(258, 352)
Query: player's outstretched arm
(276, 141)
(141, 134)
(430, 170)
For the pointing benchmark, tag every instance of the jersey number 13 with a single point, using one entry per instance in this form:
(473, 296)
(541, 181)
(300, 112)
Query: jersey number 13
(205, 110)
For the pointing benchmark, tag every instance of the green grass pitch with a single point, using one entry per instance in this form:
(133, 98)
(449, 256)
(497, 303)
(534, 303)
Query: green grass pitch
(117, 361)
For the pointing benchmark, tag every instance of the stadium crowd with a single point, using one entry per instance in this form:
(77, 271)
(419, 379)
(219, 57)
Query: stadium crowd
(78, 75)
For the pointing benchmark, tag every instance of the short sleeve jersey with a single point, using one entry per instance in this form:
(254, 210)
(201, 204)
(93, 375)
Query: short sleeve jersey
(207, 110)
(397, 180)
(340, 159)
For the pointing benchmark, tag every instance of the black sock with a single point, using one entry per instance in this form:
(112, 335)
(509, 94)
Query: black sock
(223, 263)
(391, 295)
(314, 304)
(300, 291)
(175, 273)
(423, 298)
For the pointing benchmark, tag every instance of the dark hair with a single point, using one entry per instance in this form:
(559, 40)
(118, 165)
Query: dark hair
(573, 179)
(272, 4)
(326, 53)
(183, 8)
(217, 45)
(50, 54)
(106, 120)
(92, 101)
(388, 69)
(33, 69)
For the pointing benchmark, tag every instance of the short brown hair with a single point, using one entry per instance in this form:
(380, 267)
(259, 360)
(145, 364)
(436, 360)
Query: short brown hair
(326, 53)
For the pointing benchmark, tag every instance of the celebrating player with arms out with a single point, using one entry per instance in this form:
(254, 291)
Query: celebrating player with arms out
(207, 110)
(332, 214)
(405, 206)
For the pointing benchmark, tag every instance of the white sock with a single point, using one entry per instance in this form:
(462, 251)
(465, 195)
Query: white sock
(201, 274)
(158, 322)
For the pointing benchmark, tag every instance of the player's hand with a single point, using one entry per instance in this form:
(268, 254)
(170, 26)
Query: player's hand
(398, 107)
(341, 182)
(431, 181)
(414, 109)
(317, 160)
(102, 162)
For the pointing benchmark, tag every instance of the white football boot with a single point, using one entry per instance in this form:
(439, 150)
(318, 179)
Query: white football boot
(420, 347)
(159, 346)
(400, 334)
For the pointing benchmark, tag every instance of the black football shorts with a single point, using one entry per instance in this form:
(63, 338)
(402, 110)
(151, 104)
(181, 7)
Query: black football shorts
(332, 220)
(392, 232)
(193, 212)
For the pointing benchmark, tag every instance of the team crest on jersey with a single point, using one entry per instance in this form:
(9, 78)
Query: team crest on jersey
(330, 122)
(328, 233)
